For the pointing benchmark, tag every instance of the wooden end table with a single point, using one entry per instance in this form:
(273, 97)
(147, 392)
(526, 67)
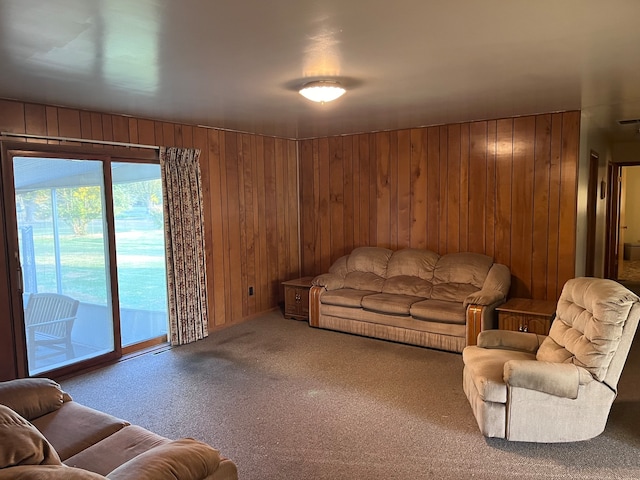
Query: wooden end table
(526, 315)
(296, 298)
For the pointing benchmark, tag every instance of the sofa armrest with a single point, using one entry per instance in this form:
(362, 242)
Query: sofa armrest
(509, 340)
(184, 459)
(559, 379)
(480, 318)
(32, 397)
(484, 297)
(47, 472)
(495, 288)
(315, 292)
(329, 281)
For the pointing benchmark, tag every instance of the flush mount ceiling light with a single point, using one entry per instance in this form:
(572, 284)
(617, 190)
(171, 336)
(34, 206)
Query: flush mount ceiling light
(322, 91)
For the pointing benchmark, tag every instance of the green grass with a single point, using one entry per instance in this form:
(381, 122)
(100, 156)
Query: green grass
(141, 268)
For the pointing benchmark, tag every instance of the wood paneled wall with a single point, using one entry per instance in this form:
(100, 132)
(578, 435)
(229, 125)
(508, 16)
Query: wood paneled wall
(250, 193)
(506, 188)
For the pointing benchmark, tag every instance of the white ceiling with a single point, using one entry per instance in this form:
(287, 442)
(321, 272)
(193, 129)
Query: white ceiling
(237, 64)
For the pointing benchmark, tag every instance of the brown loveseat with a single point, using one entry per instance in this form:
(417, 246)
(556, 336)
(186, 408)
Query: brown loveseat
(411, 296)
(44, 435)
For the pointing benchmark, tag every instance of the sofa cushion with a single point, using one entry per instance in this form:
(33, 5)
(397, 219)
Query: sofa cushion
(345, 297)
(21, 443)
(407, 285)
(186, 459)
(453, 292)
(412, 262)
(486, 368)
(439, 311)
(465, 267)
(369, 259)
(74, 427)
(588, 325)
(31, 397)
(393, 304)
(339, 267)
(116, 449)
(364, 281)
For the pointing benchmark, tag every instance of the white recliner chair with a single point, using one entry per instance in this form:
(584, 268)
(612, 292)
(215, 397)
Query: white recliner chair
(556, 388)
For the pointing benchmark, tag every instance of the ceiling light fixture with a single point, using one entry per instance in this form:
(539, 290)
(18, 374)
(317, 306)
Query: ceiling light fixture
(322, 91)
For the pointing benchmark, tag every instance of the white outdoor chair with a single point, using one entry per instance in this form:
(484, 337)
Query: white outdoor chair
(49, 319)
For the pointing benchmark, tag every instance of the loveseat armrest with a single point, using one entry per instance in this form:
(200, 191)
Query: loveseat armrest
(32, 397)
(184, 459)
(510, 340)
(559, 379)
(329, 281)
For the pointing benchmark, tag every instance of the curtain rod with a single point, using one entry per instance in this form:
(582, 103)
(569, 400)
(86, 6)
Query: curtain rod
(80, 140)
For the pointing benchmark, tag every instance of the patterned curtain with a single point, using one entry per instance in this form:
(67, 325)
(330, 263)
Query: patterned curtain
(184, 238)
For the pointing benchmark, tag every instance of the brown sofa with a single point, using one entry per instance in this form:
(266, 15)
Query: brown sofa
(411, 296)
(45, 435)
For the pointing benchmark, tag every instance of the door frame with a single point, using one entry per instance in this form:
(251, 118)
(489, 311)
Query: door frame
(592, 201)
(12, 272)
(614, 178)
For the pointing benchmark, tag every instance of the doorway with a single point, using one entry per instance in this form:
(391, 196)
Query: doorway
(623, 239)
(86, 236)
(629, 263)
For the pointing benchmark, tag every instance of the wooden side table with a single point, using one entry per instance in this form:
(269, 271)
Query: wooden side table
(526, 315)
(296, 298)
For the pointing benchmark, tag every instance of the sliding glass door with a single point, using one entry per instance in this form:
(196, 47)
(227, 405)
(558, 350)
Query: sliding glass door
(63, 249)
(90, 258)
(137, 198)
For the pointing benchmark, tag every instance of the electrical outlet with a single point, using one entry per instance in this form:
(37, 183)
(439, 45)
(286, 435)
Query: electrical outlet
(250, 291)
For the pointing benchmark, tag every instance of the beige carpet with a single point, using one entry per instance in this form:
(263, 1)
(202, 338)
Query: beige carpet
(286, 402)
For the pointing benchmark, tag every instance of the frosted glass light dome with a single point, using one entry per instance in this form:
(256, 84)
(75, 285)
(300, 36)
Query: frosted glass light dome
(322, 91)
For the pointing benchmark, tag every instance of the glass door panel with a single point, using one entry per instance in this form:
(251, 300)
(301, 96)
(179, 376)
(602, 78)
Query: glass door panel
(60, 209)
(140, 253)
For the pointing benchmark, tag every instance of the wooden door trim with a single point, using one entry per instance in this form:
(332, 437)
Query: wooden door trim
(613, 220)
(592, 201)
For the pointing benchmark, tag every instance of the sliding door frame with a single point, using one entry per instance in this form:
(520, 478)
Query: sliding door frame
(13, 273)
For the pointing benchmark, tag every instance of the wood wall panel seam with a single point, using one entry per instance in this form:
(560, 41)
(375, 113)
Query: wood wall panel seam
(508, 176)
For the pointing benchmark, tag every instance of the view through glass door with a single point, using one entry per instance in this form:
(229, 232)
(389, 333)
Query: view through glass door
(63, 241)
(139, 224)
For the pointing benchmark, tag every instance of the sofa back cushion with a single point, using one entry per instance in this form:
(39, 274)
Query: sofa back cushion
(367, 268)
(457, 275)
(21, 443)
(364, 281)
(407, 285)
(590, 317)
(412, 262)
(339, 267)
(370, 260)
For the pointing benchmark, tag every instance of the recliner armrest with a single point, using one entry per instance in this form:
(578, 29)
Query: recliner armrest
(510, 340)
(559, 379)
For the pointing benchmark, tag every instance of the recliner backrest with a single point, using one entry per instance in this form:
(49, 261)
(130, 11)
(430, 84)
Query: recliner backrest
(589, 325)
